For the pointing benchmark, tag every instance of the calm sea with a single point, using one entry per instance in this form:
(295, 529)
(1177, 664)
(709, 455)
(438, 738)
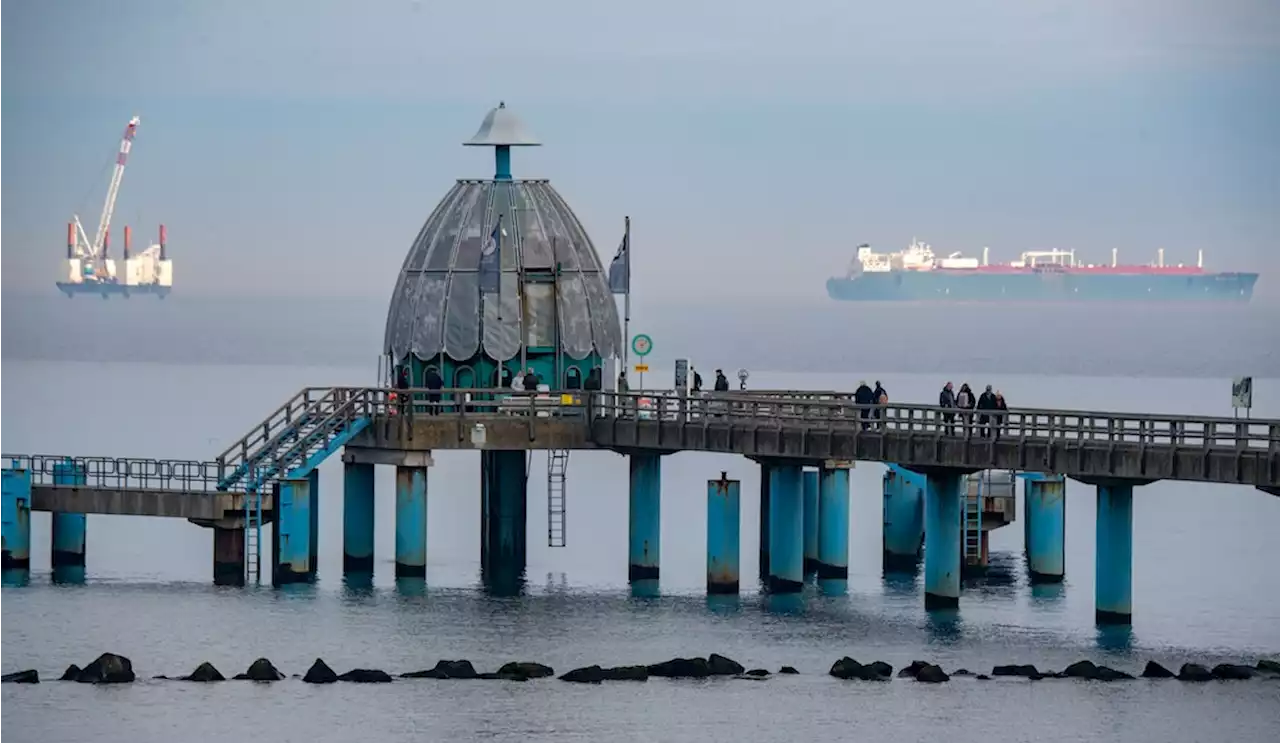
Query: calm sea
(1205, 557)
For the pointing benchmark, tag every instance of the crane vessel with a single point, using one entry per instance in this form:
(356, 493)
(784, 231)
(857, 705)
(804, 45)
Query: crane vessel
(89, 269)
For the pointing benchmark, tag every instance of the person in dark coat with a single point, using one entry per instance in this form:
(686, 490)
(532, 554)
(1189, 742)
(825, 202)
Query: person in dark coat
(531, 380)
(864, 398)
(722, 382)
(1001, 412)
(964, 403)
(697, 381)
(434, 382)
(881, 399)
(947, 401)
(594, 380)
(986, 403)
(402, 383)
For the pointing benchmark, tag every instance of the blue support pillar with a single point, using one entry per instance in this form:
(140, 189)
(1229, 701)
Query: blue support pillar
(723, 534)
(411, 522)
(646, 517)
(942, 547)
(833, 523)
(357, 517)
(766, 478)
(811, 520)
(292, 546)
(17, 520)
(786, 529)
(1045, 512)
(503, 504)
(313, 479)
(1114, 561)
(903, 519)
(69, 529)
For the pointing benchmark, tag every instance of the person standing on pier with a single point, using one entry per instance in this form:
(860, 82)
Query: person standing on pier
(986, 403)
(965, 402)
(722, 382)
(531, 380)
(1001, 411)
(402, 384)
(947, 401)
(697, 380)
(864, 398)
(435, 383)
(881, 399)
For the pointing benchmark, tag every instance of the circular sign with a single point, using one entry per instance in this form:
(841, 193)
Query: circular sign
(641, 345)
(743, 375)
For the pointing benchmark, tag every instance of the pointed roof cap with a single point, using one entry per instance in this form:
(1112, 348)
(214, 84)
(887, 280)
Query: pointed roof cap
(502, 128)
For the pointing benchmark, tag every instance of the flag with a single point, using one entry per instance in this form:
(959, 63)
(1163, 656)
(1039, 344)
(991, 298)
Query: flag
(491, 260)
(620, 269)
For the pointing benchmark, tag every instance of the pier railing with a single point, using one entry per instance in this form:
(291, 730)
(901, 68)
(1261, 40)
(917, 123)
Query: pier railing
(117, 473)
(836, 410)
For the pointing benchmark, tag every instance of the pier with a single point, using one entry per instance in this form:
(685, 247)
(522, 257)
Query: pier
(804, 443)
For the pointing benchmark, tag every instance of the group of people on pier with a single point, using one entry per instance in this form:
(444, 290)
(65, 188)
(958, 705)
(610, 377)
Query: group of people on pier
(990, 409)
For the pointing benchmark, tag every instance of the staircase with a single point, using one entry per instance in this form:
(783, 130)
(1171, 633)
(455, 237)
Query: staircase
(557, 467)
(973, 507)
(292, 441)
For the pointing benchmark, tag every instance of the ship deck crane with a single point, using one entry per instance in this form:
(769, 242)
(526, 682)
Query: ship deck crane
(95, 253)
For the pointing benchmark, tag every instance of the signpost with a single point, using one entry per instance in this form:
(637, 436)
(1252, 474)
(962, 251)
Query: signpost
(682, 376)
(742, 379)
(641, 345)
(1242, 395)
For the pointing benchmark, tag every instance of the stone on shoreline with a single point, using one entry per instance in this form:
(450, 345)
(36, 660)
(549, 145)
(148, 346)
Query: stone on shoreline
(525, 670)
(260, 670)
(445, 669)
(29, 676)
(107, 668)
(932, 675)
(204, 672)
(366, 676)
(1154, 670)
(319, 673)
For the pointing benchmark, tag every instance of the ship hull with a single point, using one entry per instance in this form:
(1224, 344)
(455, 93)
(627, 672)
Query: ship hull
(954, 286)
(106, 289)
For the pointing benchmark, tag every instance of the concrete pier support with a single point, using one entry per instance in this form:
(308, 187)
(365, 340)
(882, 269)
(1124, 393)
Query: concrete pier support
(833, 523)
(904, 496)
(1045, 514)
(228, 556)
(291, 549)
(1113, 603)
(942, 535)
(17, 520)
(411, 522)
(809, 481)
(503, 518)
(766, 478)
(723, 534)
(357, 517)
(313, 478)
(786, 529)
(646, 517)
(69, 529)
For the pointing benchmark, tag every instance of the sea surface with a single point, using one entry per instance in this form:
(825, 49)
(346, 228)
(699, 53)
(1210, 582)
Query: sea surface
(1206, 587)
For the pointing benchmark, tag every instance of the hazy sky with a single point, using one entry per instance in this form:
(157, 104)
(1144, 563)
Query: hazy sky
(297, 147)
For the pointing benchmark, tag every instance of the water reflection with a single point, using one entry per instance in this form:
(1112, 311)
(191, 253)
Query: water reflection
(503, 581)
(358, 584)
(15, 577)
(724, 604)
(1115, 638)
(944, 626)
(411, 587)
(833, 586)
(1047, 593)
(785, 604)
(645, 589)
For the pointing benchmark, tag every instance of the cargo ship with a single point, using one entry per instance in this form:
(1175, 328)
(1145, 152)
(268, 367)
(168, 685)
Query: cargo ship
(917, 274)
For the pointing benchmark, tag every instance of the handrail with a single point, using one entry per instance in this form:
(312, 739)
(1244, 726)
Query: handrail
(125, 473)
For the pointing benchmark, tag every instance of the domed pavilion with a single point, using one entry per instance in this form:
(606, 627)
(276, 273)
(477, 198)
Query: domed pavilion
(545, 303)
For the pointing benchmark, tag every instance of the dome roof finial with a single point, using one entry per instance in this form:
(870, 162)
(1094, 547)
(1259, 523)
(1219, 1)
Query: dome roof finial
(501, 128)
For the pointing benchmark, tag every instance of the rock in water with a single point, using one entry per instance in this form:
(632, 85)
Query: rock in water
(627, 673)
(1111, 674)
(847, 668)
(526, 670)
(757, 672)
(261, 670)
(1156, 671)
(1081, 669)
(880, 669)
(789, 670)
(1233, 672)
(21, 677)
(913, 669)
(681, 668)
(932, 675)
(1194, 672)
(366, 676)
(722, 666)
(71, 674)
(445, 669)
(1026, 671)
(588, 675)
(1270, 666)
(108, 668)
(205, 672)
(319, 673)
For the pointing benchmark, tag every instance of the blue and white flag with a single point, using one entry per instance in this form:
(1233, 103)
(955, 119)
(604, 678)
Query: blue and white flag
(491, 261)
(620, 269)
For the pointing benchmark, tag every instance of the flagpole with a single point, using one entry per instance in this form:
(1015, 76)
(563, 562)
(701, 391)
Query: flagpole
(626, 302)
(524, 339)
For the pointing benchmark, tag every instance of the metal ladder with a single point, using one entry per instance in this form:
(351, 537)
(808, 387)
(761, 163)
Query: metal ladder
(973, 506)
(253, 536)
(557, 467)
